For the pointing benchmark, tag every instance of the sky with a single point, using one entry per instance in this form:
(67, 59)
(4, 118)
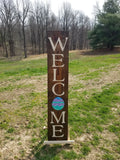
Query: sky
(86, 6)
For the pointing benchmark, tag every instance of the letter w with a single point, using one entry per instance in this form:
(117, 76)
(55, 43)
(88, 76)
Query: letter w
(58, 41)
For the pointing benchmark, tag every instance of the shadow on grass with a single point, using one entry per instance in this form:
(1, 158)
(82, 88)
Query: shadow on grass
(49, 152)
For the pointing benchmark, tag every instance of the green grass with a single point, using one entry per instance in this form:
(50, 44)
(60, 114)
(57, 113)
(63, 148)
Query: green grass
(19, 69)
(83, 64)
(85, 149)
(96, 110)
(10, 130)
(69, 155)
(12, 87)
(93, 113)
(108, 157)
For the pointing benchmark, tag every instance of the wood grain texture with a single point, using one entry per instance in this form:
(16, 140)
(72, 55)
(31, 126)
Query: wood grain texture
(61, 73)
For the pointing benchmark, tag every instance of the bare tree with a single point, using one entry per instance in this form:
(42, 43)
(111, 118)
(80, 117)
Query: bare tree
(8, 21)
(65, 16)
(77, 24)
(36, 14)
(54, 22)
(3, 35)
(42, 26)
(74, 30)
(33, 26)
(23, 7)
(41, 13)
(27, 25)
(83, 29)
(47, 14)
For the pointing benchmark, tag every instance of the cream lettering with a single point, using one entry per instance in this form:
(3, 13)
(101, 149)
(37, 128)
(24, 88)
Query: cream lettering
(57, 130)
(62, 116)
(57, 60)
(53, 89)
(55, 76)
(60, 43)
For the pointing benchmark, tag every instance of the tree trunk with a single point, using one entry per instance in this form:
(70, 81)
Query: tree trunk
(11, 42)
(24, 41)
(4, 46)
(39, 44)
(6, 49)
(11, 46)
(111, 47)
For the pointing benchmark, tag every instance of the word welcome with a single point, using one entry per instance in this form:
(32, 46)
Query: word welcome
(57, 88)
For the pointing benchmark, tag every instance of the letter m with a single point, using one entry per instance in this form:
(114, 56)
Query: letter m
(58, 41)
(62, 116)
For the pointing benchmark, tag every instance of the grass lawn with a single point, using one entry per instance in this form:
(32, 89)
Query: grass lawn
(94, 109)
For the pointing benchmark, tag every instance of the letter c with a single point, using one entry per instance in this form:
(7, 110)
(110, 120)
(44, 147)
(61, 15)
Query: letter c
(53, 89)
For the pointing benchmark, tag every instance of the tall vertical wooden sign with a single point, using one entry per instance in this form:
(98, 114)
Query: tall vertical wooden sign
(57, 49)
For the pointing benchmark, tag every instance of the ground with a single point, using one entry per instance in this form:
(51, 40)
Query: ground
(94, 108)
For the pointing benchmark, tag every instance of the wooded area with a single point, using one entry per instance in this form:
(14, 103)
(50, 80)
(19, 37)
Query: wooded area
(106, 31)
(23, 27)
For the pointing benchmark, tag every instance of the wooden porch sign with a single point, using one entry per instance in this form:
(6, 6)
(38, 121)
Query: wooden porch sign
(57, 50)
